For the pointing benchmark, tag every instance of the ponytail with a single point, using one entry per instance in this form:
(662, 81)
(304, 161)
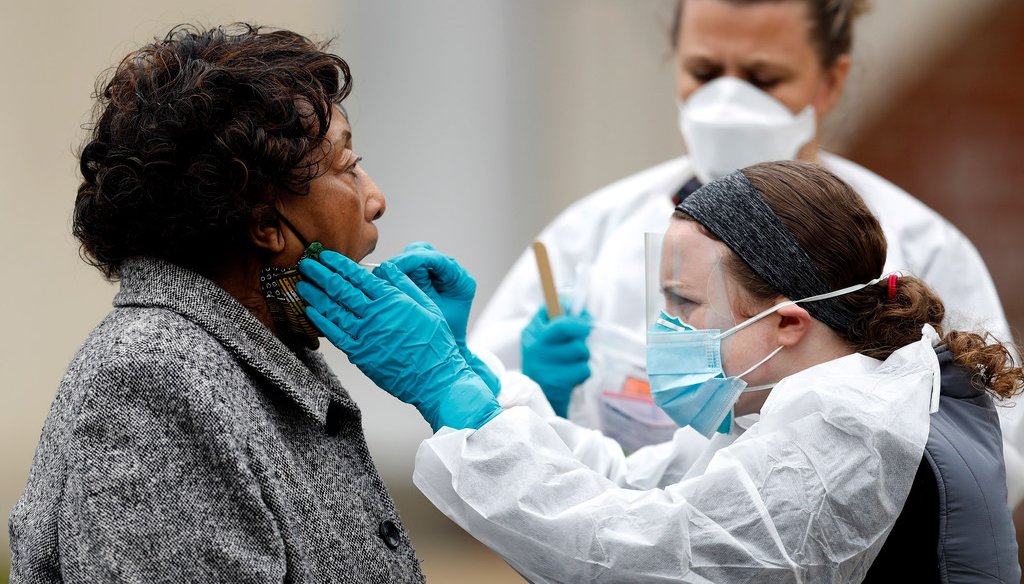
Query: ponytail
(887, 322)
(884, 324)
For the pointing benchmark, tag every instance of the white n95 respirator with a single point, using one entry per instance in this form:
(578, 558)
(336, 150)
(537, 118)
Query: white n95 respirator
(729, 124)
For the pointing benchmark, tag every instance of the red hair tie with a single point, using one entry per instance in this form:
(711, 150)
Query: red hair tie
(892, 286)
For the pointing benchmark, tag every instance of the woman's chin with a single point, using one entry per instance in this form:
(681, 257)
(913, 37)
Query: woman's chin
(368, 249)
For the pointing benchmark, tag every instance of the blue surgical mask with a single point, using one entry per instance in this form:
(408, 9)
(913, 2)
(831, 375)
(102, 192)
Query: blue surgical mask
(684, 365)
(687, 381)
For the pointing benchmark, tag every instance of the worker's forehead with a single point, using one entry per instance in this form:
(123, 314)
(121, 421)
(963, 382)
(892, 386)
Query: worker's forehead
(687, 251)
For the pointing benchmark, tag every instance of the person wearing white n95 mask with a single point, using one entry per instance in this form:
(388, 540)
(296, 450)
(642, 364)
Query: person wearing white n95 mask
(730, 124)
(754, 77)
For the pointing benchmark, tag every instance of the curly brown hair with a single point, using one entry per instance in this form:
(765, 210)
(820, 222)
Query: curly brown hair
(193, 135)
(830, 221)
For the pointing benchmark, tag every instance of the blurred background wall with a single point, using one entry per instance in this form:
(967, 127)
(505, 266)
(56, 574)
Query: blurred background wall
(954, 137)
(480, 120)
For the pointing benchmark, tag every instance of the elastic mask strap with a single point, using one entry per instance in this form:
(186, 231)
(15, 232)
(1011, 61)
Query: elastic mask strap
(767, 386)
(288, 224)
(825, 296)
(761, 362)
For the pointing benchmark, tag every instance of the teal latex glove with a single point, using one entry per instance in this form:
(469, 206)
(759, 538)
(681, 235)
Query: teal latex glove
(397, 337)
(555, 355)
(452, 289)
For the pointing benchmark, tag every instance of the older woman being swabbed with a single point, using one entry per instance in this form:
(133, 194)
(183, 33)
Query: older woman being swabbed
(197, 435)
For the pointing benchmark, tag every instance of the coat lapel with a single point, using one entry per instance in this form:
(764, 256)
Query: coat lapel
(151, 282)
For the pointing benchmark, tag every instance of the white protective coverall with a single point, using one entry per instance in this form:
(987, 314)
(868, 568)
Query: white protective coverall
(807, 494)
(605, 233)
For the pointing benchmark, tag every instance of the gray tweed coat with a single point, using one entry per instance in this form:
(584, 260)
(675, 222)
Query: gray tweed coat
(187, 444)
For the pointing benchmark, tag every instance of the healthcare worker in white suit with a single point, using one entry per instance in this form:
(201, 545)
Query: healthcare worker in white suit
(767, 308)
(754, 80)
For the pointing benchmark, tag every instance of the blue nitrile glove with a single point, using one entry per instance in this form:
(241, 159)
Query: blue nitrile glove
(397, 337)
(451, 288)
(555, 355)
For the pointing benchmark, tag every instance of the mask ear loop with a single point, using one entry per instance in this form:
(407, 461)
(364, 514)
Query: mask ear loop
(815, 298)
(288, 224)
(766, 386)
(764, 313)
(758, 364)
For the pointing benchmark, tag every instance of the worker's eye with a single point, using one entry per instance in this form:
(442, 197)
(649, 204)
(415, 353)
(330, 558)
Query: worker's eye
(764, 82)
(705, 75)
(678, 305)
(701, 69)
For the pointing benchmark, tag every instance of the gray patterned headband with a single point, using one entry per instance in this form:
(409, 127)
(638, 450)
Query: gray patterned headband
(732, 209)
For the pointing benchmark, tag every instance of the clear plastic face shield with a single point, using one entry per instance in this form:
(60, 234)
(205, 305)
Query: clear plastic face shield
(686, 279)
(691, 325)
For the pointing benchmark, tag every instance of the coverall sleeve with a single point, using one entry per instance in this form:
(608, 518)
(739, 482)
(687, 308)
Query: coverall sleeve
(778, 507)
(650, 467)
(159, 486)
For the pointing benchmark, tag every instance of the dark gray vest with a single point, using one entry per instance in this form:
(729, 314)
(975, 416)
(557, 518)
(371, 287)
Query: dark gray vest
(955, 525)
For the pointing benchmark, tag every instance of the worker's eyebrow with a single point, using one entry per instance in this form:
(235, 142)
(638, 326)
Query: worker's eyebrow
(678, 288)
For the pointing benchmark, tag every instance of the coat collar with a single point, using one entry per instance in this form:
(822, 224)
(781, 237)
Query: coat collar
(957, 381)
(303, 376)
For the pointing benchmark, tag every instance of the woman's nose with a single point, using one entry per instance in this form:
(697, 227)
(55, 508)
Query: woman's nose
(375, 202)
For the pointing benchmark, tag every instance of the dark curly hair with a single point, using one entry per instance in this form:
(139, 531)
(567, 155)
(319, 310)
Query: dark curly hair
(193, 136)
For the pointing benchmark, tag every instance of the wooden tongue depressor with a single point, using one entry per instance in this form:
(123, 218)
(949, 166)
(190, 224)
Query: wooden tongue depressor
(547, 280)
